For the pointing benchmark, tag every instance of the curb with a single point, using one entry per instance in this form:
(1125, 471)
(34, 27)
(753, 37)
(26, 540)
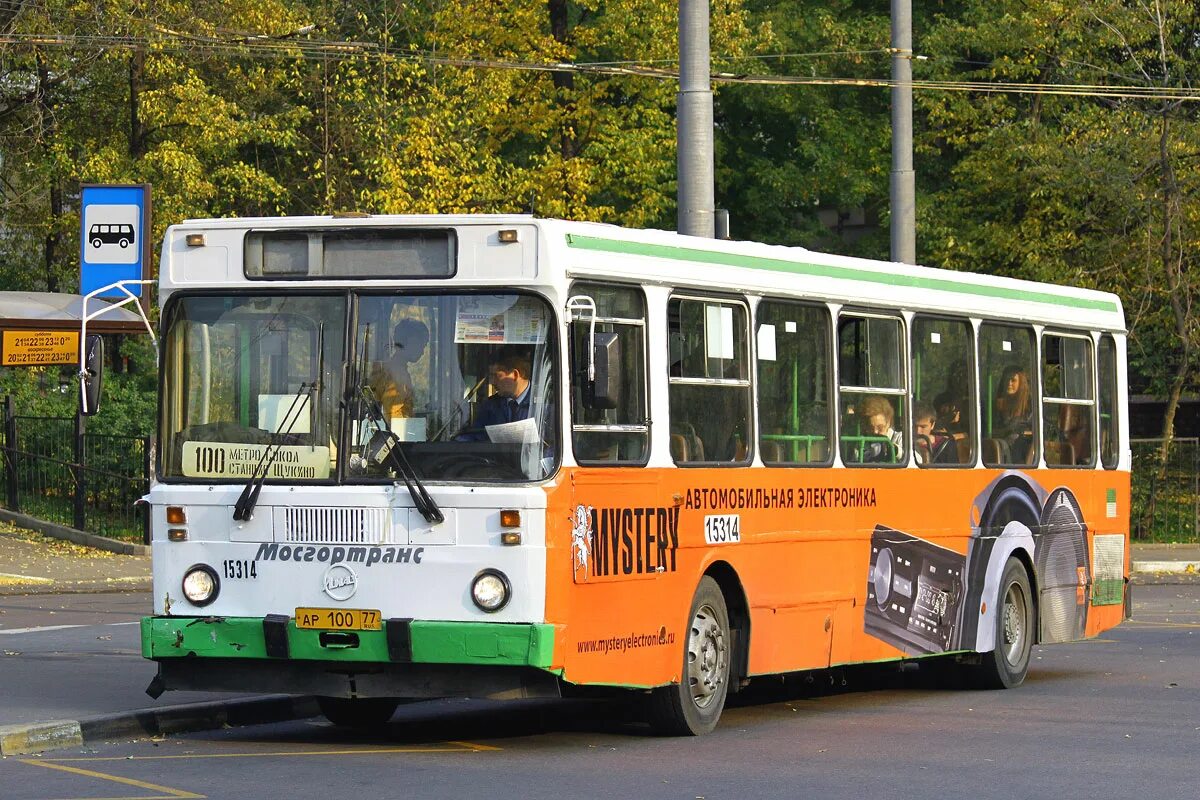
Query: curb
(50, 586)
(1174, 567)
(57, 531)
(40, 737)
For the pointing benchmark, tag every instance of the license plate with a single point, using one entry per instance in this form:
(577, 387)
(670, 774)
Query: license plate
(338, 619)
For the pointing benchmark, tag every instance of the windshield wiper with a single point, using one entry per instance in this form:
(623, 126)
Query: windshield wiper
(385, 447)
(244, 508)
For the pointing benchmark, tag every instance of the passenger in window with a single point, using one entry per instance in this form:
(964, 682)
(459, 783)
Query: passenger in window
(390, 380)
(949, 415)
(1012, 415)
(877, 418)
(929, 446)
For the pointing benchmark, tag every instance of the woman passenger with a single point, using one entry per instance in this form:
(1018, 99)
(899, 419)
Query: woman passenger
(1012, 414)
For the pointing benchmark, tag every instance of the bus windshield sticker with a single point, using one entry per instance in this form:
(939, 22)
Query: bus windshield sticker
(718, 331)
(232, 460)
(492, 320)
(766, 342)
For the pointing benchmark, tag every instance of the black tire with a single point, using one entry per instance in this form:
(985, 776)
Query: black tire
(693, 706)
(96, 243)
(357, 713)
(124, 243)
(1007, 665)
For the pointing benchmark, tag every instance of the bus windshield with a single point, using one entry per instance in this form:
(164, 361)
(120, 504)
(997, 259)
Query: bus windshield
(461, 383)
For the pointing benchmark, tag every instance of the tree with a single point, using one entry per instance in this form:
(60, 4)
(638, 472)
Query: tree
(785, 152)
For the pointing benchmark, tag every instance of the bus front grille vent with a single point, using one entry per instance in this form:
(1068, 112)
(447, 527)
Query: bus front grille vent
(336, 525)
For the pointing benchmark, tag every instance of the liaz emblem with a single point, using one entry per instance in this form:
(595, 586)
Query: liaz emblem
(340, 582)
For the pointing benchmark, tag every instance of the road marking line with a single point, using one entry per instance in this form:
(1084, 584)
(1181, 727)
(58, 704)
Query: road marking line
(65, 627)
(478, 747)
(170, 793)
(1163, 624)
(462, 747)
(44, 628)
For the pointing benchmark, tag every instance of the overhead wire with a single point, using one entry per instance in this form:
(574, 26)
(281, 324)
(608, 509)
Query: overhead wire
(295, 44)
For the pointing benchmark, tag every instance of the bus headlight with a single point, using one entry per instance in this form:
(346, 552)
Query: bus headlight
(200, 585)
(491, 590)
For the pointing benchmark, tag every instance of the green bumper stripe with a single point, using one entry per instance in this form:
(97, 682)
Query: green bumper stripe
(491, 643)
(830, 271)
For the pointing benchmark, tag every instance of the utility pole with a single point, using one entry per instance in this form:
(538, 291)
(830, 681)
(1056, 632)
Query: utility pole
(694, 123)
(903, 183)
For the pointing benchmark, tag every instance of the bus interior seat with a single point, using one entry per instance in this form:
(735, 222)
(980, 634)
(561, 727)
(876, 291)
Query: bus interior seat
(992, 451)
(772, 452)
(963, 446)
(685, 444)
(679, 448)
(1060, 453)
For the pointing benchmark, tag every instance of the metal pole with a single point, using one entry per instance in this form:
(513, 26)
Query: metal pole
(10, 454)
(903, 183)
(80, 473)
(694, 122)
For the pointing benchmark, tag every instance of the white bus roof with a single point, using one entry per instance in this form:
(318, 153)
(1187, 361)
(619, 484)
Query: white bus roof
(594, 250)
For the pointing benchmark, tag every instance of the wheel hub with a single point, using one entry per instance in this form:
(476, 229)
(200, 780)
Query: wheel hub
(1014, 621)
(707, 654)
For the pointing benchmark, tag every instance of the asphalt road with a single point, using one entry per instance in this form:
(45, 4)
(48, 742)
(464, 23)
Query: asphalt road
(1117, 716)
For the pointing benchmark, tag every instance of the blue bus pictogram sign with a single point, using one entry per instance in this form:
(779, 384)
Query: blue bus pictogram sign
(113, 247)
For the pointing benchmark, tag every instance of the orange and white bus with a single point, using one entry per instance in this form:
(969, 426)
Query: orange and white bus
(501, 456)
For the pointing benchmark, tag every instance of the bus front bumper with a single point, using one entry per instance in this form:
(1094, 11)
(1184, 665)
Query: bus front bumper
(406, 658)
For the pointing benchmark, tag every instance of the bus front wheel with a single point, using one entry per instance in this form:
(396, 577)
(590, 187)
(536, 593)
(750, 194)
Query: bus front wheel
(357, 713)
(1007, 665)
(693, 706)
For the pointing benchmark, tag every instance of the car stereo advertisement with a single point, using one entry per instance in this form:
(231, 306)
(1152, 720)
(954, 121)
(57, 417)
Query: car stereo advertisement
(923, 598)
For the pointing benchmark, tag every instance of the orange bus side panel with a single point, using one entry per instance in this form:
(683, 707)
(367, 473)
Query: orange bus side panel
(802, 555)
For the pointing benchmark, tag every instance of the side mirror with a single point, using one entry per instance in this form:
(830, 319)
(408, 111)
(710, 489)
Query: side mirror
(605, 389)
(91, 373)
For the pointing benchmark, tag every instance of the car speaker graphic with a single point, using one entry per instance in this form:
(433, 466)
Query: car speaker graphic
(1062, 567)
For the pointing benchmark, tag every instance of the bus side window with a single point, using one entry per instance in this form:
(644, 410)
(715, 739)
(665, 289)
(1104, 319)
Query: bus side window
(943, 392)
(1068, 405)
(708, 382)
(794, 392)
(871, 389)
(1106, 371)
(1007, 395)
(619, 435)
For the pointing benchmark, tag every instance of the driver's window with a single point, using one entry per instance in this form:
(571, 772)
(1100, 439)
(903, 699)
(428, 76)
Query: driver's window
(464, 383)
(618, 434)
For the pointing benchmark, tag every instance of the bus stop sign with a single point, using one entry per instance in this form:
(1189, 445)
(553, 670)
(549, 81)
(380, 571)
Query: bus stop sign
(115, 223)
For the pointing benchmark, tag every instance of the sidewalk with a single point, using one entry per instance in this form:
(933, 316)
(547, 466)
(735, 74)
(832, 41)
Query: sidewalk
(32, 563)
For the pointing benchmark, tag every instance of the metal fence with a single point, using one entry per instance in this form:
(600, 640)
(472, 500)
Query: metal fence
(1175, 513)
(89, 481)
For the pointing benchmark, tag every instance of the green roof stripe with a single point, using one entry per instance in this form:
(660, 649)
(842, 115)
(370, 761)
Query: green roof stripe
(827, 271)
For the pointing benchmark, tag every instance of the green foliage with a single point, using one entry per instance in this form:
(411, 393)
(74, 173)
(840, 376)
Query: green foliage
(250, 108)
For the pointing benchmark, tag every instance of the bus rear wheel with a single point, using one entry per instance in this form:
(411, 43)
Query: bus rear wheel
(1007, 665)
(693, 706)
(357, 713)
